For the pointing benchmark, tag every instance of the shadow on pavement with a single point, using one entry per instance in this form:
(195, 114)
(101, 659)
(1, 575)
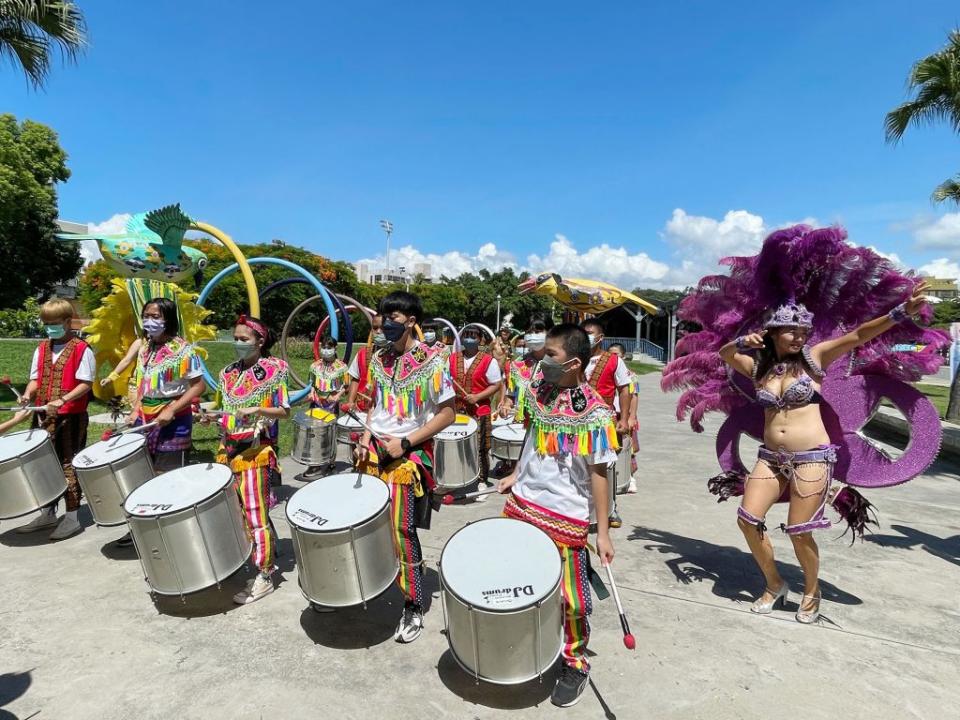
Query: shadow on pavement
(206, 602)
(354, 628)
(947, 548)
(607, 712)
(501, 697)
(726, 566)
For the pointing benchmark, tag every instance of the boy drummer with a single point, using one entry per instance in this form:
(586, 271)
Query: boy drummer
(412, 395)
(61, 375)
(562, 472)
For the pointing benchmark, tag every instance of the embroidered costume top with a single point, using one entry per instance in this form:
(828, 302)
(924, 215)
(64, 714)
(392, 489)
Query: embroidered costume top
(59, 368)
(165, 371)
(519, 374)
(474, 375)
(606, 373)
(407, 388)
(570, 429)
(263, 384)
(327, 378)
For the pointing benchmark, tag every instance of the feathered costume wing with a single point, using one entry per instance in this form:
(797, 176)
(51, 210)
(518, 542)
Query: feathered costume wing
(844, 286)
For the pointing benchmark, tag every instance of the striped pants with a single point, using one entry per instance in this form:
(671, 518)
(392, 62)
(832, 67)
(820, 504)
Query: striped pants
(253, 486)
(407, 542)
(577, 605)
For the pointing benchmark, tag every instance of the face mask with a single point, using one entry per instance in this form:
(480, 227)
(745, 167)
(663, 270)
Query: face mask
(429, 337)
(244, 349)
(328, 353)
(519, 352)
(592, 338)
(55, 332)
(380, 340)
(471, 343)
(535, 341)
(393, 330)
(153, 327)
(552, 370)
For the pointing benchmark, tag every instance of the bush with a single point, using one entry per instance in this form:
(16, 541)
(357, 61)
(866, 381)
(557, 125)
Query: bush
(21, 322)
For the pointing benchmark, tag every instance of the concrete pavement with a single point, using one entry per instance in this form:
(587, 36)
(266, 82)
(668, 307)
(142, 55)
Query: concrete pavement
(81, 638)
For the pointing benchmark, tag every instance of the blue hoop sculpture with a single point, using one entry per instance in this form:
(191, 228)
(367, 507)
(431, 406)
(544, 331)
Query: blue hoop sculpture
(318, 286)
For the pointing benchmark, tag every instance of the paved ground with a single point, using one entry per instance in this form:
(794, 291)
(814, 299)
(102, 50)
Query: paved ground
(81, 638)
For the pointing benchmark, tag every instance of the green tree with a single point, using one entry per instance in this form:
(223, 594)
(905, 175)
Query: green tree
(32, 261)
(936, 81)
(30, 31)
(946, 313)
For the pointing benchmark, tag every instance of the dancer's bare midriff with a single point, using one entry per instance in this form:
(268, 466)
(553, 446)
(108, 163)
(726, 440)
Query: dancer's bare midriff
(795, 429)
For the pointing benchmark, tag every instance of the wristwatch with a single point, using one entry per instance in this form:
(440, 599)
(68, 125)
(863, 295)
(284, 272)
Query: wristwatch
(405, 444)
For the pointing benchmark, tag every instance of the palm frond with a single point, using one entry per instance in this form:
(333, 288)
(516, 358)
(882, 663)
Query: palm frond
(948, 190)
(30, 29)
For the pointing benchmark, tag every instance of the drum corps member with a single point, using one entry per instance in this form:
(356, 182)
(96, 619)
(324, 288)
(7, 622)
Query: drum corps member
(253, 392)
(61, 374)
(562, 472)
(413, 400)
(358, 394)
(328, 382)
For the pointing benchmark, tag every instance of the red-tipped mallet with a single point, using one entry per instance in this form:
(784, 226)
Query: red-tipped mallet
(629, 641)
(450, 499)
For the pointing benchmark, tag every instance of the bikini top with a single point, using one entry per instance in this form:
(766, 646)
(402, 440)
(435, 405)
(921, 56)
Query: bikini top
(799, 393)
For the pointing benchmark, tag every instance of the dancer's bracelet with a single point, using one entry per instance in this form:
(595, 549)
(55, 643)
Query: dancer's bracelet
(113, 377)
(741, 343)
(899, 313)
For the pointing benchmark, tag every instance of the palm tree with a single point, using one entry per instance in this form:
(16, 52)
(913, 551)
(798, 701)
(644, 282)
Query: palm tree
(30, 29)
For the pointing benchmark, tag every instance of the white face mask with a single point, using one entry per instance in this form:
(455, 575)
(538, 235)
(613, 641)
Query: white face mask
(592, 338)
(328, 353)
(430, 337)
(535, 341)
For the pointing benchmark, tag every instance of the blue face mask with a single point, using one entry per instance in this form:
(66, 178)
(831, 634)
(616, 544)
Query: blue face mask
(153, 327)
(393, 330)
(55, 332)
(471, 343)
(430, 337)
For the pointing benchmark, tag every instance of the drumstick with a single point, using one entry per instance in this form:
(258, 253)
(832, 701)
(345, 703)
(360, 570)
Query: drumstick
(21, 408)
(107, 434)
(628, 640)
(449, 499)
(352, 414)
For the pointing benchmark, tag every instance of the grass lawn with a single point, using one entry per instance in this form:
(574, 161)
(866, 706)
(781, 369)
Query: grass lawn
(643, 368)
(938, 394)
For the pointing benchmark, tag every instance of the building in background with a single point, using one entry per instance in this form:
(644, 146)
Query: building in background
(375, 274)
(942, 288)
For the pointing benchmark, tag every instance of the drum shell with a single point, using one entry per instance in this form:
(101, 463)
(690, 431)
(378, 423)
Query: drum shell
(504, 648)
(456, 462)
(107, 486)
(334, 566)
(314, 442)
(31, 481)
(611, 493)
(194, 548)
(508, 450)
(621, 468)
(345, 431)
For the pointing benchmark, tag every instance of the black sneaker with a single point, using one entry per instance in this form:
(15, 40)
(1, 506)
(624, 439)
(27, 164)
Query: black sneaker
(569, 686)
(615, 520)
(411, 624)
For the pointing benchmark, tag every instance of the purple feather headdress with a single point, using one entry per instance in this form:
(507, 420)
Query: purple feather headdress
(839, 285)
(790, 315)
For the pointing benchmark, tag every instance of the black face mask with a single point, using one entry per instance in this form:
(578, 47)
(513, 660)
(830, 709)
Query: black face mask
(393, 330)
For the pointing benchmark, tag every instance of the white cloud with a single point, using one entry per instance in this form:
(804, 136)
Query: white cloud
(941, 268)
(451, 264)
(892, 257)
(944, 232)
(699, 242)
(114, 226)
(610, 264)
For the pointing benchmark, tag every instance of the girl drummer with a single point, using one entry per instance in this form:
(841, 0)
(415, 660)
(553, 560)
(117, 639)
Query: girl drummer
(252, 392)
(328, 384)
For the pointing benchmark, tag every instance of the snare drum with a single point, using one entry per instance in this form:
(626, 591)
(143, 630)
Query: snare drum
(456, 455)
(343, 539)
(109, 471)
(621, 468)
(500, 585)
(31, 476)
(508, 441)
(314, 438)
(347, 428)
(188, 528)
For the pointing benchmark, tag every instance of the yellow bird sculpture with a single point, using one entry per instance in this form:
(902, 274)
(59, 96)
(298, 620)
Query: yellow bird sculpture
(585, 296)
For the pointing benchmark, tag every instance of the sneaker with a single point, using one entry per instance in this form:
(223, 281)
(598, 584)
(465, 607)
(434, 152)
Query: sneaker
(68, 527)
(256, 588)
(41, 522)
(411, 624)
(322, 609)
(313, 472)
(615, 520)
(632, 487)
(569, 687)
(480, 488)
(125, 541)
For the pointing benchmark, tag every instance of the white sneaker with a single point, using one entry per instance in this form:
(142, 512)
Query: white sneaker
(411, 625)
(68, 527)
(40, 522)
(256, 589)
(632, 487)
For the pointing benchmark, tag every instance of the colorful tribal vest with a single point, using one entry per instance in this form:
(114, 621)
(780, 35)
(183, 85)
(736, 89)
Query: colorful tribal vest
(603, 377)
(472, 381)
(327, 378)
(568, 420)
(405, 384)
(56, 379)
(263, 384)
(519, 374)
(167, 364)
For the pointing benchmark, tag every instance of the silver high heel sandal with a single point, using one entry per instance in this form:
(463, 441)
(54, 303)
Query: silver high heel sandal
(808, 617)
(765, 608)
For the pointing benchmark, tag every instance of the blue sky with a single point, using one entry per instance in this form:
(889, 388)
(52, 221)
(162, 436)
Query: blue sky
(631, 141)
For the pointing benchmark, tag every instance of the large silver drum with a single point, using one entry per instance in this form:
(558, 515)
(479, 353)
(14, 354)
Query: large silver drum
(31, 476)
(343, 539)
(188, 528)
(347, 428)
(314, 438)
(507, 441)
(621, 468)
(456, 455)
(500, 585)
(109, 471)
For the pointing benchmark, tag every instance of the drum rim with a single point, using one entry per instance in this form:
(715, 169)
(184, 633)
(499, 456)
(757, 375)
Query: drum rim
(216, 492)
(347, 528)
(446, 586)
(140, 446)
(302, 415)
(494, 436)
(46, 436)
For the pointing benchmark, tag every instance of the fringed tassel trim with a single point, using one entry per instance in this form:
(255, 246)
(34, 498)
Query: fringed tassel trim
(726, 485)
(855, 509)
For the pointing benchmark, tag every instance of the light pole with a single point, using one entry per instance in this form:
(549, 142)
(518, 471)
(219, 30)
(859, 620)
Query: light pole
(387, 227)
(497, 326)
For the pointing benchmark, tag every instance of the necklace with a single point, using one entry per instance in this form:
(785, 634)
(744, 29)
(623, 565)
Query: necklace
(779, 369)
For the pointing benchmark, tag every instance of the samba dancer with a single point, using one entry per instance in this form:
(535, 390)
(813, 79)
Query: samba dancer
(413, 400)
(253, 393)
(328, 382)
(561, 474)
(797, 455)
(61, 376)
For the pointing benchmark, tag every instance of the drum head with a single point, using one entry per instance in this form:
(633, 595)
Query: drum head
(336, 502)
(462, 427)
(347, 421)
(18, 443)
(500, 565)
(108, 451)
(513, 433)
(321, 415)
(308, 419)
(498, 421)
(177, 490)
